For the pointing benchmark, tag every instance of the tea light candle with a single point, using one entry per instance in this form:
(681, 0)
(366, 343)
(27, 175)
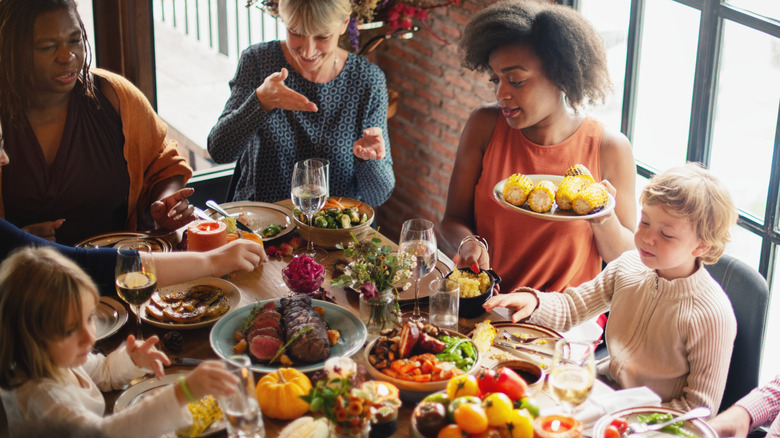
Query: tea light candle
(557, 426)
(206, 235)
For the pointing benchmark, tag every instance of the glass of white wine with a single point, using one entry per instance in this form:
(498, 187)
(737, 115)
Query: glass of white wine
(418, 240)
(136, 277)
(240, 407)
(573, 371)
(309, 192)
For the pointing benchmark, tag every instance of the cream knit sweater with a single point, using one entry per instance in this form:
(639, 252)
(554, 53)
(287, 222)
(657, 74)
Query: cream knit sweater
(674, 337)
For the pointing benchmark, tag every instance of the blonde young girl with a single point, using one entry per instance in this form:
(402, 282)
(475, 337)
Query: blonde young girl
(49, 378)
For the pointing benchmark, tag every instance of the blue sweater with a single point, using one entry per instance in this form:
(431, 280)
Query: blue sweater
(267, 144)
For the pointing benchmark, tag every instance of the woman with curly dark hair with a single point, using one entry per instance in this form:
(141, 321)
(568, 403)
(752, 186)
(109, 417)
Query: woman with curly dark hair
(546, 62)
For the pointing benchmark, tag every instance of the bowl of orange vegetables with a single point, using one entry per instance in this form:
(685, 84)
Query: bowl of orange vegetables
(336, 222)
(419, 359)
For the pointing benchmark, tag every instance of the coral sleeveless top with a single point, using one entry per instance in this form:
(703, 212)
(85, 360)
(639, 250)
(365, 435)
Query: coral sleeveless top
(524, 250)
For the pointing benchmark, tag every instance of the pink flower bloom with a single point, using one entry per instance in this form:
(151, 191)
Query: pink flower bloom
(368, 290)
(406, 23)
(271, 251)
(409, 11)
(286, 249)
(422, 14)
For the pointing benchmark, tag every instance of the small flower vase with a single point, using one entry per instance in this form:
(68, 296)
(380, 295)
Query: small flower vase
(378, 313)
(346, 431)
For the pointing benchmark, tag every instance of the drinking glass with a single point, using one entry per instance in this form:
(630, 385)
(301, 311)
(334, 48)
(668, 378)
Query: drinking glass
(419, 241)
(136, 277)
(309, 192)
(573, 371)
(241, 408)
(443, 303)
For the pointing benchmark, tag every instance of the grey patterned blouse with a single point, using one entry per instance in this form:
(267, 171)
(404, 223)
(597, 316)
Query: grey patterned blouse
(267, 144)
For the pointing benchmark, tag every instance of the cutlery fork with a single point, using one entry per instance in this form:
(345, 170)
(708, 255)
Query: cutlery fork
(638, 427)
(514, 337)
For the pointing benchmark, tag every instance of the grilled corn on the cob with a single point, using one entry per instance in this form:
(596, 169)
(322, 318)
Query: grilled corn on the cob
(590, 199)
(542, 196)
(517, 188)
(577, 169)
(204, 412)
(569, 187)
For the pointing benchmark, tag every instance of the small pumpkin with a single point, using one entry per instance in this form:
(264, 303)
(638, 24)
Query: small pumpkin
(279, 394)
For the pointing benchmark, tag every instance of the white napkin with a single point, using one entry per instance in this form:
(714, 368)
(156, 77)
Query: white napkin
(597, 406)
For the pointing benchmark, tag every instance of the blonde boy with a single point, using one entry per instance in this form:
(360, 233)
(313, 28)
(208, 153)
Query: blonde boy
(671, 327)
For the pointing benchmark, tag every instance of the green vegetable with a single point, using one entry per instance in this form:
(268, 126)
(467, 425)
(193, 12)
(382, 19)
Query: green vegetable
(271, 230)
(459, 351)
(658, 417)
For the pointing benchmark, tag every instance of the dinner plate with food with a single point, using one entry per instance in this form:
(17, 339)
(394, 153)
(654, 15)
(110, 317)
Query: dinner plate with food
(207, 416)
(110, 240)
(194, 304)
(652, 415)
(269, 221)
(502, 341)
(111, 315)
(573, 196)
(295, 331)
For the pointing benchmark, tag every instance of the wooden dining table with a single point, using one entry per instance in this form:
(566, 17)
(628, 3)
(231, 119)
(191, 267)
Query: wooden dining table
(266, 282)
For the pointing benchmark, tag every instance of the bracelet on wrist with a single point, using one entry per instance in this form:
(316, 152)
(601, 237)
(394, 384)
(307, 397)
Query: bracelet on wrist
(186, 390)
(473, 238)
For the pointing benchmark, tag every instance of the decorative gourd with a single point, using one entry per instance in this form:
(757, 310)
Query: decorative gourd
(279, 394)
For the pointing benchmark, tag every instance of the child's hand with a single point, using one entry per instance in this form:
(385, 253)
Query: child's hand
(523, 300)
(145, 355)
(211, 378)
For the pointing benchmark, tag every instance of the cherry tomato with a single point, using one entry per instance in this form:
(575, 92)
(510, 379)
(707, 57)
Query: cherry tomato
(531, 405)
(451, 431)
(438, 397)
(498, 407)
(470, 399)
(520, 424)
(486, 379)
(620, 424)
(611, 432)
(510, 383)
(471, 418)
(464, 384)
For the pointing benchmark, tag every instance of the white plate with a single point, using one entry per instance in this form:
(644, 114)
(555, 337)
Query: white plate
(230, 291)
(110, 240)
(497, 355)
(261, 214)
(111, 316)
(697, 428)
(554, 214)
(146, 387)
(353, 334)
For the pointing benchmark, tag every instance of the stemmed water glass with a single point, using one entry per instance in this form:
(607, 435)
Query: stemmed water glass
(418, 240)
(240, 407)
(309, 192)
(572, 373)
(136, 277)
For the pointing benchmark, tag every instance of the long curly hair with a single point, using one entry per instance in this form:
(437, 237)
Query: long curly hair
(17, 18)
(571, 51)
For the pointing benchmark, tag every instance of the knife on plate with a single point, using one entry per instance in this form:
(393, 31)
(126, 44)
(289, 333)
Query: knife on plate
(508, 346)
(214, 206)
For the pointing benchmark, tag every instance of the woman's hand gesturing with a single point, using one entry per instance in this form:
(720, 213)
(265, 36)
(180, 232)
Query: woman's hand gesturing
(371, 146)
(274, 94)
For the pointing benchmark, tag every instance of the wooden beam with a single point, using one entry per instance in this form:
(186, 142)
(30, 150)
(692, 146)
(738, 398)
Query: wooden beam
(124, 42)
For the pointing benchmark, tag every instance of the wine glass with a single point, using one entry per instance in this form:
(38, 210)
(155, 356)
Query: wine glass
(572, 373)
(309, 192)
(418, 241)
(136, 278)
(240, 407)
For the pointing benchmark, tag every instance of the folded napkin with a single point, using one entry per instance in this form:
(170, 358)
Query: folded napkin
(597, 406)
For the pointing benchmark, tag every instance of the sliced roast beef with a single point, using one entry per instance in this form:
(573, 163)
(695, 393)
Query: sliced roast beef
(267, 331)
(264, 347)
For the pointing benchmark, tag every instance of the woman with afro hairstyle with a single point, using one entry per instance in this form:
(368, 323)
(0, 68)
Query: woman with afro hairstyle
(545, 62)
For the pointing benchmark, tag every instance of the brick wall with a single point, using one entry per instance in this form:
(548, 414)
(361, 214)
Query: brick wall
(436, 98)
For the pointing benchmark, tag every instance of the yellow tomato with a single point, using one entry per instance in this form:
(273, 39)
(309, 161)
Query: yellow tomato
(451, 431)
(519, 425)
(471, 418)
(498, 407)
(464, 384)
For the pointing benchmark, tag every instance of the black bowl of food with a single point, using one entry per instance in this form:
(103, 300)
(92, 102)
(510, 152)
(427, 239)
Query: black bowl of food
(475, 289)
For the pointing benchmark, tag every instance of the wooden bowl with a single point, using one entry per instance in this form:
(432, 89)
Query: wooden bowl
(328, 237)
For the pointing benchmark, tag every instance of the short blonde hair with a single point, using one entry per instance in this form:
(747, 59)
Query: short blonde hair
(39, 287)
(693, 193)
(314, 17)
